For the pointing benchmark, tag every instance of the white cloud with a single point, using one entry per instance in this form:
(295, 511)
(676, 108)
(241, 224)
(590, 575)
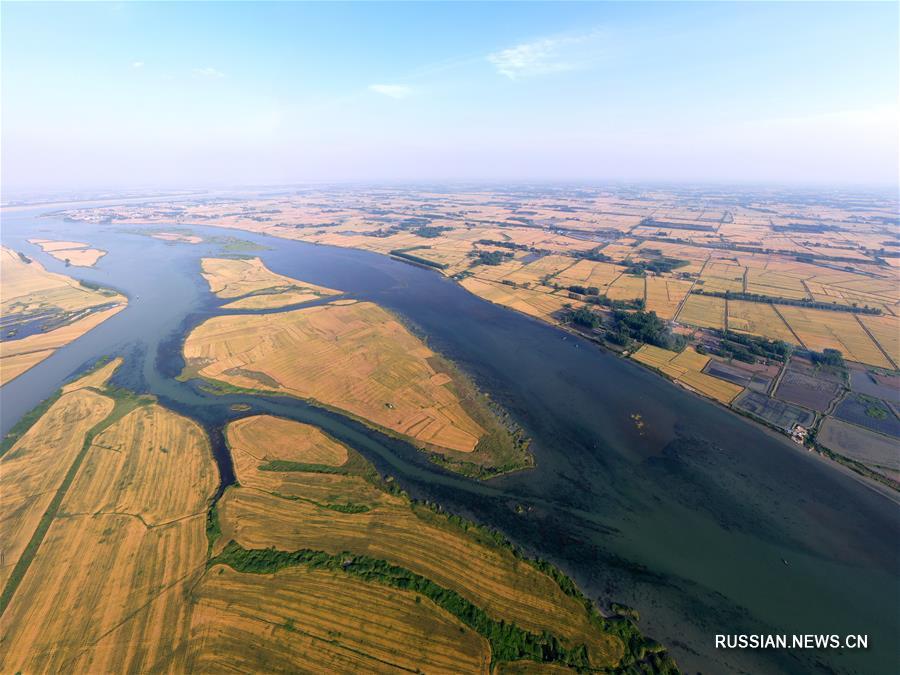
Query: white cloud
(209, 73)
(392, 90)
(137, 64)
(547, 55)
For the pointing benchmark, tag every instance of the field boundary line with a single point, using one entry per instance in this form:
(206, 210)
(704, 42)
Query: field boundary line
(789, 327)
(872, 338)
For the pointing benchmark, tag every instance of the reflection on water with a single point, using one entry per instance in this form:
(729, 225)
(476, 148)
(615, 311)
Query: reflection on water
(702, 520)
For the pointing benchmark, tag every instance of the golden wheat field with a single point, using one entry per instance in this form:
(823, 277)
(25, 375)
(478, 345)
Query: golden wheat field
(531, 274)
(17, 356)
(589, 273)
(686, 367)
(105, 594)
(339, 516)
(28, 290)
(492, 578)
(664, 296)
(886, 331)
(161, 458)
(107, 588)
(327, 621)
(34, 467)
(703, 311)
(775, 284)
(250, 441)
(357, 358)
(820, 329)
(96, 378)
(721, 277)
(278, 438)
(627, 287)
(543, 305)
(758, 318)
(239, 277)
(73, 252)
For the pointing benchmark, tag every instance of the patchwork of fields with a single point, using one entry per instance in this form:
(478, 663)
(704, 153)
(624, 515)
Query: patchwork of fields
(357, 358)
(251, 285)
(349, 514)
(116, 560)
(114, 534)
(686, 368)
(62, 309)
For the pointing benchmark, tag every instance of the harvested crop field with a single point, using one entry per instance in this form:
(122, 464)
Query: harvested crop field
(664, 295)
(356, 358)
(105, 588)
(686, 367)
(264, 448)
(543, 305)
(758, 318)
(328, 621)
(71, 252)
(96, 378)
(105, 594)
(626, 287)
(886, 331)
(256, 285)
(703, 311)
(286, 440)
(491, 578)
(821, 329)
(65, 309)
(589, 273)
(34, 467)
(381, 527)
(163, 459)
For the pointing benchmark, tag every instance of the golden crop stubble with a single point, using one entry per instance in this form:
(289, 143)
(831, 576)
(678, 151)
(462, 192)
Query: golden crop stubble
(106, 591)
(356, 358)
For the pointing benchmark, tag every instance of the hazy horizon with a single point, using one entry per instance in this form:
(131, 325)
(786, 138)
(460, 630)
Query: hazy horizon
(206, 95)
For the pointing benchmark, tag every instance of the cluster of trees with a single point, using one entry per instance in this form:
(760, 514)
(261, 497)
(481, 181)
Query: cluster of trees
(795, 302)
(287, 465)
(650, 222)
(585, 317)
(828, 357)
(591, 294)
(594, 254)
(748, 348)
(504, 244)
(508, 641)
(491, 257)
(431, 231)
(644, 327)
(606, 301)
(406, 255)
(656, 265)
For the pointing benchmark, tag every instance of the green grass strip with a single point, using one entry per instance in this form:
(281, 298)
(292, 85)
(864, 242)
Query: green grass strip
(508, 641)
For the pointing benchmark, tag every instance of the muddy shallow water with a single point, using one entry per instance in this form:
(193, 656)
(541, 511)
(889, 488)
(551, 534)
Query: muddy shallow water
(703, 521)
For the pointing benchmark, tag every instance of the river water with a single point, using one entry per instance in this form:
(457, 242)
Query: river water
(703, 521)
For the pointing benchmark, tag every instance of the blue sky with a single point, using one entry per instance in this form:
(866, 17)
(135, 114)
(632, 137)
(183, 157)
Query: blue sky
(168, 94)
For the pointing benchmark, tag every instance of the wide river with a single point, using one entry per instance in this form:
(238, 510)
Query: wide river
(703, 521)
